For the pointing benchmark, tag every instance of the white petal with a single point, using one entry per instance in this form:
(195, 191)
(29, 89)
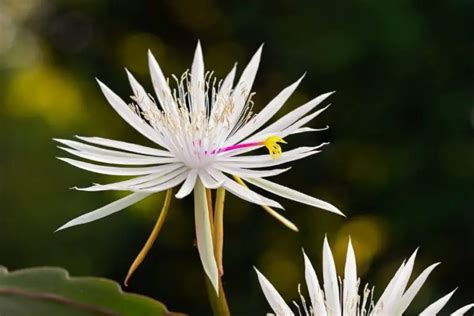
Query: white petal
(296, 126)
(350, 297)
(292, 194)
(396, 292)
(115, 171)
(315, 293)
(139, 160)
(162, 89)
(208, 181)
(261, 161)
(244, 87)
(294, 115)
(411, 292)
(435, 307)
(266, 161)
(265, 115)
(157, 183)
(126, 146)
(98, 150)
(462, 310)
(308, 130)
(106, 210)
(129, 116)
(127, 185)
(203, 235)
(241, 172)
(141, 96)
(242, 192)
(165, 185)
(277, 303)
(197, 81)
(224, 92)
(188, 185)
(379, 307)
(331, 287)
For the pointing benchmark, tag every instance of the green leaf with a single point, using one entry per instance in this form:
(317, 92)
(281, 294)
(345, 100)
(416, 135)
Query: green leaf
(47, 291)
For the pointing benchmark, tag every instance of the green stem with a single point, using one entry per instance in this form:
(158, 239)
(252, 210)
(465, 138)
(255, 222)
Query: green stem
(219, 229)
(218, 302)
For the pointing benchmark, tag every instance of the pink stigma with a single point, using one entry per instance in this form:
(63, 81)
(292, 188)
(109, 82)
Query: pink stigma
(234, 147)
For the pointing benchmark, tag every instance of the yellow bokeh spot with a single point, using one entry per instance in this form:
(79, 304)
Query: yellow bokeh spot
(283, 272)
(44, 91)
(273, 147)
(133, 48)
(367, 236)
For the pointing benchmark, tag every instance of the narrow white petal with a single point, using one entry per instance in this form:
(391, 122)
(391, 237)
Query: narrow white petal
(265, 161)
(315, 293)
(115, 171)
(242, 172)
(295, 115)
(141, 96)
(203, 235)
(435, 307)
(392, 300)
(262, 161)
(126, 146)
(208, 181)
(129, 116)
(297, 125)
(165, 185)
(167, 180)
(350, 297)
(106, 210)
(265, 115)
(331, 287)
(188, 185)
(308, 130)
(120, 160)
(379, 307)
(98, 150)
(244, 87)
(224, 92)
(197, 81)
(291, 194)
(127, 185)
(162, 89)
(411, 292)
(462, 310)
(242, 192)
(274, 299)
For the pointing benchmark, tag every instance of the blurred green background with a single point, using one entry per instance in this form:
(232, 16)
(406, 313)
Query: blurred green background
(400, 163)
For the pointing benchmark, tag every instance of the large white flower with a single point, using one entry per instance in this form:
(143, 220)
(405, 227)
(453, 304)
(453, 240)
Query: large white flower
(344, 298)
(200, 129)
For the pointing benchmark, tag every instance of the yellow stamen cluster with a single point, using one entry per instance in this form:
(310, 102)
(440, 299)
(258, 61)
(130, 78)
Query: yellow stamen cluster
(272, 145)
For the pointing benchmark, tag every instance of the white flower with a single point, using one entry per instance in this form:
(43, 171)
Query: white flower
(200, 129)
(343, 298)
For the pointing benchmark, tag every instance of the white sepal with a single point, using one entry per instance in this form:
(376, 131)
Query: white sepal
(107, 210)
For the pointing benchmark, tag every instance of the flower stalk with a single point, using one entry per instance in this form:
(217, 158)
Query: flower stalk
(219, 228)
(218, 299)
(218, 302)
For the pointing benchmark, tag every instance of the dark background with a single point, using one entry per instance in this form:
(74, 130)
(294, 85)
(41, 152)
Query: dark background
(400, 163)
